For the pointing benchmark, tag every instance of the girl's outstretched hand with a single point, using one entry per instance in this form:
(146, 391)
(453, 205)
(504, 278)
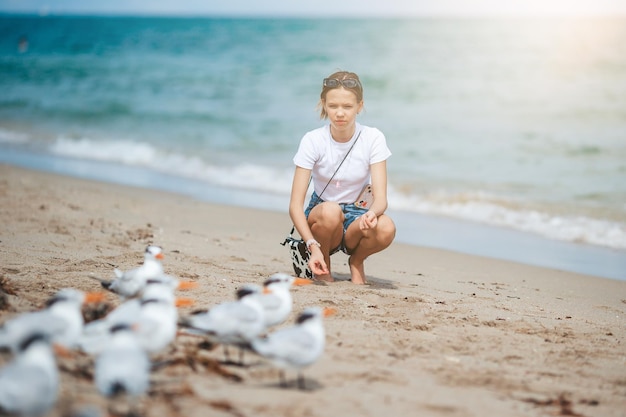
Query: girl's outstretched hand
(368, 221)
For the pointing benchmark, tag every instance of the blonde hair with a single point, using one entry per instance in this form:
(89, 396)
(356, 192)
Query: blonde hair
(340, 75)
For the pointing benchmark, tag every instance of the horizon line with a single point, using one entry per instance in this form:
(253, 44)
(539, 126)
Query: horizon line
(301, 15)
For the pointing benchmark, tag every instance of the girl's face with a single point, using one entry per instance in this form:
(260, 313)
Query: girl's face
(342, 108)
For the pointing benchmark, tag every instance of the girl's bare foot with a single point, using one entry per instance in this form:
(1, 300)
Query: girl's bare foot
(357, 272)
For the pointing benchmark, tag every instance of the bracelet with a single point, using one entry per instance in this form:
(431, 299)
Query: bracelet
(312, 242)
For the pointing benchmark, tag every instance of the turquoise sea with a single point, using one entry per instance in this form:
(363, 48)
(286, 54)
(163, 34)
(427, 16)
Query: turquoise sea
(508, 135)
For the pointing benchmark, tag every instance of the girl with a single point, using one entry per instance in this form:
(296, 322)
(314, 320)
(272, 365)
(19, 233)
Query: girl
(334, 219)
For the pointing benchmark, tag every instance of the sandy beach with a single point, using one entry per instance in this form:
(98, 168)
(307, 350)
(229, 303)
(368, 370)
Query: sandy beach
(435, 333)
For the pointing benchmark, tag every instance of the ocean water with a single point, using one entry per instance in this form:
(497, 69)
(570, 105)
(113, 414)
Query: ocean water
(508, 136)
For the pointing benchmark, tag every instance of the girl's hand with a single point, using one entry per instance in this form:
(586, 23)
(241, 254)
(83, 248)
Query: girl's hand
(368, 221)
(317, 264)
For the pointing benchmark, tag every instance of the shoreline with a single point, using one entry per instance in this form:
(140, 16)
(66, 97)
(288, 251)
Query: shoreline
(414, 229)
(434, 333)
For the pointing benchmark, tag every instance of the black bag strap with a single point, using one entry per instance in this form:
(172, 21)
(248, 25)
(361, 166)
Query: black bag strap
(319, 197)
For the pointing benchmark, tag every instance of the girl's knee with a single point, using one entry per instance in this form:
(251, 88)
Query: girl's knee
(327, 215)
(331, 210)
(386, 229)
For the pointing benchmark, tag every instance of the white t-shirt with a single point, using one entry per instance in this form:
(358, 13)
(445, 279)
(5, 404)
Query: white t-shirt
(320, 153)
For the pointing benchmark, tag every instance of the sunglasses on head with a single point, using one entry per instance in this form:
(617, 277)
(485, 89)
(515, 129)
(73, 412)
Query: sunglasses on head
(348, 83)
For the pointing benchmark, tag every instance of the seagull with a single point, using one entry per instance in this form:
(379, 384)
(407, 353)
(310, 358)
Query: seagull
(233, 323)
(129, 283)
(123, 366)
(298, 346)
(61, 320)
(154, 317)
(29, 384)
(276, 298)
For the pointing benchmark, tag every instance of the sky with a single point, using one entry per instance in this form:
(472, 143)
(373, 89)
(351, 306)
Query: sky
(321, 8)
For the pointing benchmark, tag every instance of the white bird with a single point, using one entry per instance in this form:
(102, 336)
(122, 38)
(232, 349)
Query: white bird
(172, 282)
(157, 323)
(29, 384)
(232, 323)
(154, 318)
(123, 366)
(298, 346)
(61, 320)
(276, 298)
(130, 283)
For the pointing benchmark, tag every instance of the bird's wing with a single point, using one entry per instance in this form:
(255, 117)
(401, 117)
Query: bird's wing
(286, 343)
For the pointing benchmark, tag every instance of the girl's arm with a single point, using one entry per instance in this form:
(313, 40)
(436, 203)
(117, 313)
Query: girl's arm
(296, 203)
(379, 190)
(379, 187)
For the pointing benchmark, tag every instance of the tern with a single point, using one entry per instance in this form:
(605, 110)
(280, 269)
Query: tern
(123, 366)
(157, 322)
(61, 320)
(29, 385)
(154, 317)
(276, 298)
(298, 346)
(129, 283)
(172, 282)
(232, 323)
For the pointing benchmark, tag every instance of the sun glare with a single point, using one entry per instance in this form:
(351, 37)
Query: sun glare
(530, 8)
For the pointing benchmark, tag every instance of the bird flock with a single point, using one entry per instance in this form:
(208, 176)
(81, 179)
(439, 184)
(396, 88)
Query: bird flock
(124, 342)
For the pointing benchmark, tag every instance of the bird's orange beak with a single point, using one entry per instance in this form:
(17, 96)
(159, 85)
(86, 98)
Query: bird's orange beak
(94, 297)
(61, 351)
(160, 255)
(184, 302)
(187, 285)
(328, 311)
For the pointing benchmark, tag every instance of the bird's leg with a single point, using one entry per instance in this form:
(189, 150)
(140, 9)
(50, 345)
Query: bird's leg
(241, 352)
(301, 384)
(281, 378)
(226, 354)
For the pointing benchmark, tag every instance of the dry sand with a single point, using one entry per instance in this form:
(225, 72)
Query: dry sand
(435, 333)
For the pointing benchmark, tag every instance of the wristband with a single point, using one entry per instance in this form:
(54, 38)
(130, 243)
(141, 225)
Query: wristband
(312, 242)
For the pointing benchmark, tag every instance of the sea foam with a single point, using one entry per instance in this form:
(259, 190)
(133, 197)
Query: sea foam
(482, 208)
(142, 154)
(477, 206)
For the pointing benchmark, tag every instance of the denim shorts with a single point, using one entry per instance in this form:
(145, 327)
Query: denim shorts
(350, 212)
